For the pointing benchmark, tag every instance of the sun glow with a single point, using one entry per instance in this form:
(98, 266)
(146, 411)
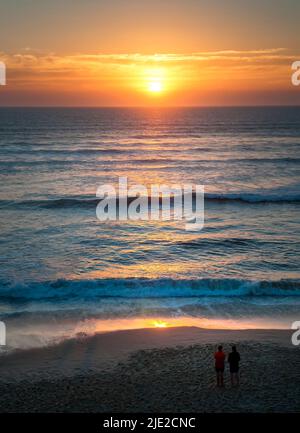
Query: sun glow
(155, 79)
(108, 325)
(160, 324)
(155, 86)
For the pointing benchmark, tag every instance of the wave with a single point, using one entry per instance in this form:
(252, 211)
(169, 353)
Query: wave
(69, 152)
(63, 290)
(255, 197)
(90, 202)
(234, 243)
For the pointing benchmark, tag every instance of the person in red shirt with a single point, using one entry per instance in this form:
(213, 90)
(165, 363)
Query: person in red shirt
(219, 365)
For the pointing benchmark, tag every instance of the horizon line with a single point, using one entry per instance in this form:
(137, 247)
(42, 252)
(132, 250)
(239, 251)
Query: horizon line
(152, 106)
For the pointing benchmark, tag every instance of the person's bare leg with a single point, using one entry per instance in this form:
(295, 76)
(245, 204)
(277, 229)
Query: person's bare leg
(218, 380)
(232, 379)
(222, 379)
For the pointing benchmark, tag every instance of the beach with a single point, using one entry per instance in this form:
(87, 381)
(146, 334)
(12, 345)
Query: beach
(149, 214)
(153, 370)
(124, 315)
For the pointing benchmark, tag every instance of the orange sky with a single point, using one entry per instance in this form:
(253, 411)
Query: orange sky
(183, 53)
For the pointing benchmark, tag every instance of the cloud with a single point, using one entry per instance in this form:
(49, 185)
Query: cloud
(123, 76)
(52, 62)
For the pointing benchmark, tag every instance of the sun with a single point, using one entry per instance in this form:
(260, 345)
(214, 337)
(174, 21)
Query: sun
(155, 86)
(160, 324)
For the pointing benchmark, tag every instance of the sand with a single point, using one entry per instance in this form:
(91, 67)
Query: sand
(153, 370)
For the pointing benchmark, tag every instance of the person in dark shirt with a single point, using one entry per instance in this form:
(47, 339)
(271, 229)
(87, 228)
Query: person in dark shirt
(219, 365)
(234, 359)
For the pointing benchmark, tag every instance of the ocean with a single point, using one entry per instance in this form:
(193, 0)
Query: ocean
(66, 274)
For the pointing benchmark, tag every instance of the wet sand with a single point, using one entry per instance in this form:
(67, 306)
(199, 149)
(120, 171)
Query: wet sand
(146, 370)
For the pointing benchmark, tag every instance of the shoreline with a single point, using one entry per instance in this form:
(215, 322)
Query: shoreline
(104, 349)
(153, 370)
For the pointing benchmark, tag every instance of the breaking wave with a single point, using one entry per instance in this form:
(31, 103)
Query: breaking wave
(90, 202)
(144, 288)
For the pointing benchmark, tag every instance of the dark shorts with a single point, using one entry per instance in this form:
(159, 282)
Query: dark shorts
(234, 369)
(219, 370)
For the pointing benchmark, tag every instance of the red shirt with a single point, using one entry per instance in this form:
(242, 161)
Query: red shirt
(220, 359)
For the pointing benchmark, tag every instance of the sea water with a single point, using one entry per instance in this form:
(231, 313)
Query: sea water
(64, 273)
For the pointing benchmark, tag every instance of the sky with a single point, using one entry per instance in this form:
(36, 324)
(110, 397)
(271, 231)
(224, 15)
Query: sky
(141, 52)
